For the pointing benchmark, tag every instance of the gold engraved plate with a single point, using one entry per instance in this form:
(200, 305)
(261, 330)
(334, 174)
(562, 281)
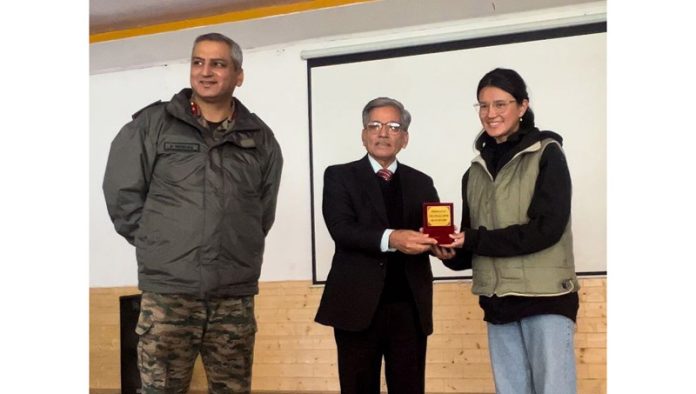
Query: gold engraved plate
(437, 221)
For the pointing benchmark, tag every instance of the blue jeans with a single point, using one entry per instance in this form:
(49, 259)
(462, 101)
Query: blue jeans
(535, 355)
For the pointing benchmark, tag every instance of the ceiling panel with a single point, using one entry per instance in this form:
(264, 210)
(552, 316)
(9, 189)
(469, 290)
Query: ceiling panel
(111, 15)
(360, 18)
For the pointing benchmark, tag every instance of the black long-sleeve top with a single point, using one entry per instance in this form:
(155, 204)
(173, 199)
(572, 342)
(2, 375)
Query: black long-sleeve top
(548, 212)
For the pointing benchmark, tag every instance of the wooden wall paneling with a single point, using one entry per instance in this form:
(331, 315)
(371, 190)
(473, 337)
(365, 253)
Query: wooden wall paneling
(292, 353)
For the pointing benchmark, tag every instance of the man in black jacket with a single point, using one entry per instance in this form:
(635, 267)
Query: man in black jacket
(193, 184)
(378, 295)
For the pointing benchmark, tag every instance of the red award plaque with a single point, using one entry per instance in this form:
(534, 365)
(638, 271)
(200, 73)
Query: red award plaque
(437, 221)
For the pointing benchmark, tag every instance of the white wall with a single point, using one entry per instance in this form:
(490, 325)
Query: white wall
(275, 88)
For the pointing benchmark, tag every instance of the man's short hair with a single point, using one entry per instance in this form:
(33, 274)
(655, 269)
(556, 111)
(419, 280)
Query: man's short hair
(386, 102)
(235, 49)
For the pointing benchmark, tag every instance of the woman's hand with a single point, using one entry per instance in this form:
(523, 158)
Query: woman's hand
(457, 241)
(446, 251)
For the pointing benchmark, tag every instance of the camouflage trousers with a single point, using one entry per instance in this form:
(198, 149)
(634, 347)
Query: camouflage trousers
(175, 328)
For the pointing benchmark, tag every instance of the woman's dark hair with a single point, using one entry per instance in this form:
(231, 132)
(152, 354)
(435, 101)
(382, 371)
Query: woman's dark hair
(511, 82)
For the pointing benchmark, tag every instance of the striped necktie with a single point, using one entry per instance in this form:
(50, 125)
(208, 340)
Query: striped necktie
(384, 174)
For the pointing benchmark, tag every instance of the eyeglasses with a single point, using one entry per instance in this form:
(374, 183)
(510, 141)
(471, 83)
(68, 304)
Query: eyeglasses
(500, 106)
(376, 126)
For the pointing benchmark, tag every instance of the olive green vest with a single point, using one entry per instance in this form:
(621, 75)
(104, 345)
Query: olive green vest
(503, 202)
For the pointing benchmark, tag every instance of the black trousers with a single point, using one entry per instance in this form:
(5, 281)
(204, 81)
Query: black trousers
(394, 334)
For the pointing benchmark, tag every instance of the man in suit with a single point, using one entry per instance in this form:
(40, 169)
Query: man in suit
(378, 295)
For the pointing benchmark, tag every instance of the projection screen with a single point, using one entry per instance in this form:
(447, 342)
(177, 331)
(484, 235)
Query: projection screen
(565, 70)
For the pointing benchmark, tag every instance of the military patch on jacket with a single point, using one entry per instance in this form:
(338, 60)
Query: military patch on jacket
(247, 143)
(182, 147)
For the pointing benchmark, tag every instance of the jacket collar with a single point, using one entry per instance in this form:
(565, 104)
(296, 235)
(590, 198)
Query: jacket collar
(366, 177)
(180, 108)
(522, 139)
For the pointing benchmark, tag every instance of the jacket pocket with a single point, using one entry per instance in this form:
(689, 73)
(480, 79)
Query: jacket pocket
(175, 167)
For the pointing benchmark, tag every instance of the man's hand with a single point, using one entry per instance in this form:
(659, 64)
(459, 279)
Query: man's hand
(410, 242)
(442, 253)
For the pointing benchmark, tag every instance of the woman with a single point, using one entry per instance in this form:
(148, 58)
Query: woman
(516, 235)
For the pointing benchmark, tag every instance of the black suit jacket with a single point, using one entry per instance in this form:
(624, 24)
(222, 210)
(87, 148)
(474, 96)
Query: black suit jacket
(356, 217)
